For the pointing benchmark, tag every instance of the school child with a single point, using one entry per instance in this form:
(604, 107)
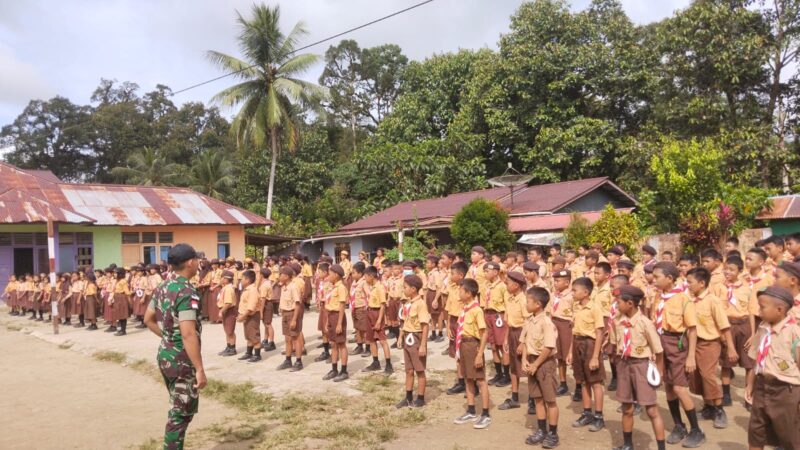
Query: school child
(29, 296)
(756, 277)
(358, 308)
(433, 293)
(511, 263)
(773, 386)
(531, 272)
(787, 276)
(458, 271)
(626, 268)
(731, 244)
(675, 319)
(614, 255)
(650, 291)
(711, 260)
(477, 270)
(471, 338)
(648, 259)
(686, 262)
(667, 256)
(589, 263)
(267, 311)
(637, 343)
(538, 346)
(324, 290)
(292, 310)
(376, 316)
(792, 244)
(307, 273)
(584, 353)
(413, 340)
(560, 310)
(121, 302)
(337, 324)
(226, 303)
(215, 288)
(535, 255)
(741, 315)
(602, 296)
(496, 329)
(609, 346)
(90, 301)
(515, 315)
(379, 259)
(298, 280)
(395, 291)
(249, 315)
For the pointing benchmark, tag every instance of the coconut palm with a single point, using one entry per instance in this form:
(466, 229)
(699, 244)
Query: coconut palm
(148, 167)
(211, 173)
(268, 90)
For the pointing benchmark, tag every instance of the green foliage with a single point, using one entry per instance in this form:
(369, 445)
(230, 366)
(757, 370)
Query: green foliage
(416, 245)
(577, 232)
(615, 227)
(482, 222)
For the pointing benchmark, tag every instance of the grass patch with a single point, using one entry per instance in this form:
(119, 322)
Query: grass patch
(145, 367)
(239, 396)
(150, 444)
(13, 327)
(66, 345)
(110, 356)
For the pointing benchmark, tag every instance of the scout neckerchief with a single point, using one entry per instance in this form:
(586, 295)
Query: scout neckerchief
(766, 343)
(626, 338)
(613, 309)
(475, 271)
(753, 281)
(405, 309)
(797, 301)
(731, 288)
(660, 308)
(460, 326)
(556, 301)
(353, 289)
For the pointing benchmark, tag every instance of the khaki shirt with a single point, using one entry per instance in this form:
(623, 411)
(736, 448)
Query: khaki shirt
(539, 333)
(77, 287)
(796, 308)
(564, 310)
(717, 278)
(474, 322)
(781, 361)
(453, 305)
(301, 285)
(740, 305)
(305, 270)
(396, 287)
(417, 316)
(91, 289)
(152, 283)
(347, 266)
(358, 293)
(711, 317)
(756, 283)
(434, 281)
(338, 296)
(121, 287)
(679, 313)
(587, 319)
(250, 301)
(264, 290)
(516, 310)
(227, 296)
(290, 296)
(645, 341)
(496, 296)
(602, 294)
(478, 273)
(377, 295)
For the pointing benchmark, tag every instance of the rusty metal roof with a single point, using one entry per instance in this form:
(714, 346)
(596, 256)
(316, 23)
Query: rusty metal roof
(123, 205)
(783, 207)
(18, 206)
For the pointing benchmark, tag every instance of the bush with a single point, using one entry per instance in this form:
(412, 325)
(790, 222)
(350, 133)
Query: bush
(577, 232)
(416, 244)
(482, 222)
(616, 228)
(699, 232)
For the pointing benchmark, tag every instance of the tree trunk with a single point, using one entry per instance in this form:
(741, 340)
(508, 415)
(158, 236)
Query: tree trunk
(270, 189)
(353, 128)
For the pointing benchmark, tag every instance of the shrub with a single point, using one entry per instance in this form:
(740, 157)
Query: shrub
(482, 222)
(615, 228)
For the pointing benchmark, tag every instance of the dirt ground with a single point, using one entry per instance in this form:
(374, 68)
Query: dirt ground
(46, 375)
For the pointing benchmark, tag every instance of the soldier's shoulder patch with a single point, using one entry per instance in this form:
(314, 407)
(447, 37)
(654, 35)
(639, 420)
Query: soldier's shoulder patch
(195, 302)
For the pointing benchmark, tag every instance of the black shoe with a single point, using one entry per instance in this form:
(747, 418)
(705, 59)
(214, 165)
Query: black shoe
(677, 435)
(598, 424)
(531, 406)
(110, 330)
(439, 339)
(357, 351)
(91, 327)
(403, 404)
(40, 319)
(330, 375)
(432, 337)
(388, 370)
(577, 396)
(583, 420)
(298, 366)
(536, 438)
(492, 381)
(624, 447)
(254, 359)
(264, 343)
(562, 390)
(708, 412)
(508, 404)
(245, 357)
(270, 347)
(612, 386)
(77, 325)
(285, 365)
(551, 441)
(418, 403)
(504, 381)
(366, 354)
(321, 345)
(458, 388)
(222, 351)
(390, 334)
(374, 367)
(694, 439)
(726, 400)
(231, 351)
(322, 357)
(120, 333)
(140, 326)
(393, 345)
(720, 419)
(341, 377)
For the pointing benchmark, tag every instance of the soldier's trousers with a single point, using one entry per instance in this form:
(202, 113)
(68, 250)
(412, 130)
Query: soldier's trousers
(184, 398)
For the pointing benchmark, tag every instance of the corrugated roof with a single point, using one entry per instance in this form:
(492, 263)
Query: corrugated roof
(126, 205)
(17, 206)
(551, 222)
(46, 174)
(783, 207)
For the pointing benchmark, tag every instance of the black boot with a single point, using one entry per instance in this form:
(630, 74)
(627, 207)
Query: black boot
(80, 323)
(458, 388)
(123, 324)
(91, 327)
(247, 354)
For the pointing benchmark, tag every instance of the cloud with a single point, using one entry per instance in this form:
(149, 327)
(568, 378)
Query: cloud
(19, 81)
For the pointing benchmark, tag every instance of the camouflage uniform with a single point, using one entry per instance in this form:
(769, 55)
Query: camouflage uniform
(175, 300)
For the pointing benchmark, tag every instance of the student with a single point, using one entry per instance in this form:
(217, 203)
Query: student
(433, 293)
(458, 270)
(614, 256)
(667, 256)
(773, 387)
(376, 316)
(531, 272)
(215, 288)
(267, 310)
(741, 315)
(292, 310)
(324, 289)
(249, 314)
(535, 255)
(515, 315)
(650, 291)
(511, 263)
(226, 304)
(792, 243)
(584, 353)
(731, 244)
(648, 259)
(413, 339)
(712, 326)
(90, 301)
(477, 270)
(378, 260)
(496, 330)
(602, 296)
(358, 308)
(471, 338)
(337, 325)
(560, 310)
(538, 345)
(756, 277)
(712, 261)
(637, 342)
(686, 262)
(395, 291)
(121, 302)
(675, 319)
(788, 277)
(592, 258)
(306, 273)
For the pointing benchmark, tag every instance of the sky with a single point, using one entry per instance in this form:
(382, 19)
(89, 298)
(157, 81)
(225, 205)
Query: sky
(65, 47)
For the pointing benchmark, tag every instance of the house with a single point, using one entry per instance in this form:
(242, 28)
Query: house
(783, 217)
(538, 214)
(95, 225)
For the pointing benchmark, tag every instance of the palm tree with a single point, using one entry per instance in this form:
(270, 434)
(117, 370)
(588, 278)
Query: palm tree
(148, 167)
(268, 90)
(211, 173)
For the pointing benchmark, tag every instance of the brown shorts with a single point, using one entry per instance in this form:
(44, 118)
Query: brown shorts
(704, 381)
(675, 360)
(740, 332)
(307, 290)
(434, 312)
(514, 360)
(252, 330)
(269, 311)
(543, 383)
(392, 308)
(360, 319)
(495, 335)
(453, 325)
(286, 323)
(632, 382)
(229, 320)
(411, 355)
(564, 338)
(322, 320)
(581, 356)
(469, 350)
(774, 419)
(372, 319)
(333, 321)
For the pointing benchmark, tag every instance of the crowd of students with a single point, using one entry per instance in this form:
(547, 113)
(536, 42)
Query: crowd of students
(683, 322)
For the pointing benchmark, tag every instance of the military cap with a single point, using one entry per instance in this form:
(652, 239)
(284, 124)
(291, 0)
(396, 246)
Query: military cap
(562, 274)
(180, 253)
(779, 293)
(530, 266)
(649, 250)
(227, 274)
(626, 264)
(517, 278)
(628, 292)
(479, 249)
(793, 269)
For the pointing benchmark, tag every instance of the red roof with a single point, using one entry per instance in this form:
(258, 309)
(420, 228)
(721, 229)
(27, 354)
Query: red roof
(18, 206)
(783, 207)
(124, 205)
(551, 222)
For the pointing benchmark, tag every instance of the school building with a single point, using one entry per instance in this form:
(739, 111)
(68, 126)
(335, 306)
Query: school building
(783, 216)
(96, 225)
(538, 215)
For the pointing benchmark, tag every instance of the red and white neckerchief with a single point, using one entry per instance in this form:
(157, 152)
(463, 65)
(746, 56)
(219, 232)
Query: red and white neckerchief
(405, 310)
(797, 301)
(474, 272)
(753, 281)
(684, 285)
(556, 300)
(353, 289)
(613, 309)
(446, 281)
(731, 289)
(626, 338)
(460, 326)
(766, 343)
(660, 308)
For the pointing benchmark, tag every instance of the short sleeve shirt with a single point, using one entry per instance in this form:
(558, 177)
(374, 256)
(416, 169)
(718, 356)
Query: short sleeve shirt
(417, 316)
(249, 301)
(338, 297)
(453, 301)
(264, 289)
(711, 317)
(290, 296)
(516, 310)
(587, 319)
(602, 295)
(496, 296)
(780, 361)
(679, 313)
(377, 295)
(539, 333)
(474, 322)
(227, 296)
(738, 306)
(645, 341)
(564, 308)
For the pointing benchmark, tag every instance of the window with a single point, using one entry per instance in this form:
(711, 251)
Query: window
(5, 238)
(84, 256)
(164, 252)
(337, 249)
(83, 238)
(223, 236)
(165, 237)
(41, 239)
(149, 237)
(223, 250)
(149, 254)
(27, 238)
(130, 238)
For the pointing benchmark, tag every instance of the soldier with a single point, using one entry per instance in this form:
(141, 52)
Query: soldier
(176, 303)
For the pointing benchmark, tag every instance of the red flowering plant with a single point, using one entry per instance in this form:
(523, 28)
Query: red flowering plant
(699, 231)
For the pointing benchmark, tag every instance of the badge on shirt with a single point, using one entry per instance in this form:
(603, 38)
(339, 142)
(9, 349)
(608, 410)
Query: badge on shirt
(537, 344)
(639, 350)
(742, 303)
(567, 312)
(783, 365)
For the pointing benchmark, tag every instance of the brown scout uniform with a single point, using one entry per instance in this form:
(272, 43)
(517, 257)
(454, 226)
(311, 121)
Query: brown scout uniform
(338, 297)
(453, 307)
(474, 323)
(679, 315)
(227, 296)
(516, 314)
(587, 319)
(250, 306)
(358, 301)
(738, 308)
(711, 323)
(632, 385)
(412, 325)
(377, 298)
(537, 334)
(264, 294)
(495, 304)
(290, 297)
(478, 273)
(559, 308)
(433, 287)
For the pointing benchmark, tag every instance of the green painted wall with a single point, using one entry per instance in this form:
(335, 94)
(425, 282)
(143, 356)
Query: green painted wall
(785, 226)
(107, 240)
